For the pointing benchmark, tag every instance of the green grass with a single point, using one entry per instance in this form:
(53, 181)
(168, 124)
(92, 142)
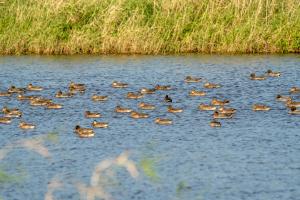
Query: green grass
(149, 26)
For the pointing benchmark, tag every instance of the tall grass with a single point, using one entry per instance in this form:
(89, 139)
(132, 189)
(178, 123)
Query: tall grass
(149, 26)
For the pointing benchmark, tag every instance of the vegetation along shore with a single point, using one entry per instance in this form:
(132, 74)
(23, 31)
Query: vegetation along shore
(149, 26)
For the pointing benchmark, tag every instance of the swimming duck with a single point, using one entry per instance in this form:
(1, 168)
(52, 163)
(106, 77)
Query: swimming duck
(60, 94)
(5, 94)
(162, 121)
(11, 113)
(218, 115)
(14, 89)
(290, 103)
(132, 95)
(24, 125)
(197, 93)
(190, 79)
(283, 98)
(294, 111)
(162, 87)
(120, 109)
(206, 107)
(53, 106)
(137, 115)
(5, 120)
(39, 101)
(21, 97)
(30, 87)
(168, 99)
(215, 123)
(96, 124)
(147, 91)
(294, 90)
(211, 85)
(226, 110)
(216, 102)
(273, 74)
(89, 114)
(84, 132)
(257, 78)
(76, 87)
(146, 106)
(260, 107)
(174, 110)
(99, 98)
(116, 84)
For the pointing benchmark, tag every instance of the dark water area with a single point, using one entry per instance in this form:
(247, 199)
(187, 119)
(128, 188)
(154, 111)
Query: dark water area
(254, 155)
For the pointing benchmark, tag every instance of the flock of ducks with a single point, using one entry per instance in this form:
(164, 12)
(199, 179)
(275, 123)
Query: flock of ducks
(219, 107)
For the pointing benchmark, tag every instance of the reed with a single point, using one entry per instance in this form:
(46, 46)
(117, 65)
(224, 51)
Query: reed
(149, 26)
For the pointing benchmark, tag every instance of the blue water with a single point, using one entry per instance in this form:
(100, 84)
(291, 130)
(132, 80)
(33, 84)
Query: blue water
(254, 155)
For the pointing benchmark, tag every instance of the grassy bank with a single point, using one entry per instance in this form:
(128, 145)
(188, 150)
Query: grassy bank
(149, 26)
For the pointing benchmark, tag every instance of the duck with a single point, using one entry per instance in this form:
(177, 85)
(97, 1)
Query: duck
(215, 123)
(290, 103)
(145, 106)
(89, 114)
(168, 99)
(24, 125)
(53, 106)
(190, 79)
(84, 132)
(5, 94)
(260, 107)
(197, 93)
(211, 85)
(132, 95)
(147, 91)
(163, 121)
(76, 87)
(226, 110)
(273, 74)
(39, 101)
(5, 120)
(294, 90)
(294, 111)
(137, 115)
(60, 94)
(283, 98)
(14, 89)
(96, 124)
(257, 78)
(207, 107)
(116, 84)
(21, 97)
(120, 109)
(99, 98)
(216, 102)
(11, 113)
(30, 87)
(171, 109)
(218, 115)
(162, 87)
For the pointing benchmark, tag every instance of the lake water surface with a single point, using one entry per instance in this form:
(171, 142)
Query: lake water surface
(255, 155)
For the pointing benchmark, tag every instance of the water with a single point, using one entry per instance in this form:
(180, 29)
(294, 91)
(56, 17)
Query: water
(255, 155)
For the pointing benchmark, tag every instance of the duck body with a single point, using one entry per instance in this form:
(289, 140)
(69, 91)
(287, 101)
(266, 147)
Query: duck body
(216, 102)
(162, 87)
(197, 93)
(5, 120)
(30, 87)
(171, 109)
(137, 115)
(163, 121)
(294, 90)
(84, 132)
(39, 101)
(207, 107)
(226, 110)
(11, 113)
(218, 115)
(60, 94)
(76, 87)
(116, 84)
(257, 78)
(120, 109)
(190, 79)
(5, 94)
(132, 95)
(147, 91)
(99, 124)
(99, 98)
(291, 103)
(168, 99)
(260, 107)
(273, 74)
(53, 106)
(215, 123)
(211, 85)
(294, 111)
(14, 89)
(145, 106)
(24, 125)
(89, 114)
(283, 98)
